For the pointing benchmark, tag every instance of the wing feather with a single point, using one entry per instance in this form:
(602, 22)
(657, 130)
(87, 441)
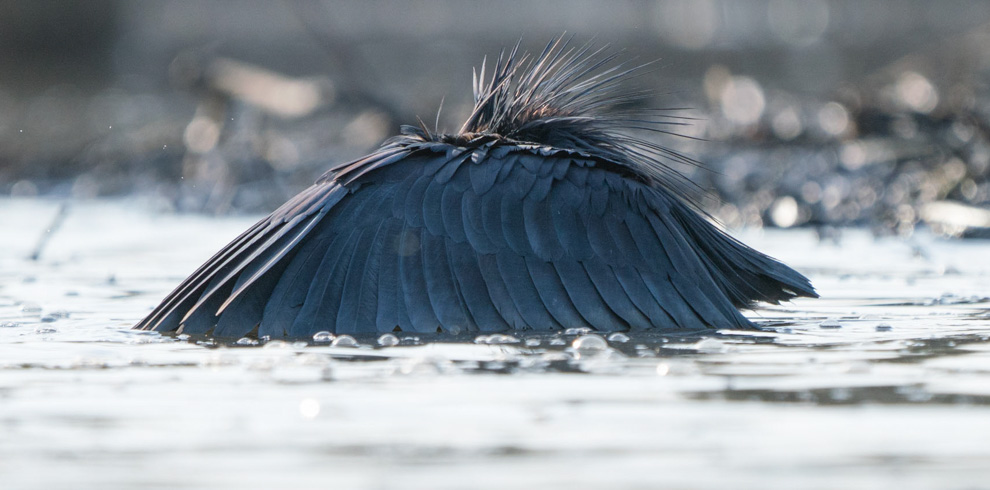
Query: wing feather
(499, 293)
(524, 294)
(474, 291)
(413, 283)
(553, 294)
(441, 286)
(489, 237)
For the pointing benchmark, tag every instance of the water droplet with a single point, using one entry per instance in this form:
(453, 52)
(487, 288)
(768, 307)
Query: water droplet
(830, 324)
(323, 336)
(578, 330)
(388, 340)
(246, 341)
(883, 327)
(309, 408)
(30, 308)
(663, 369)
(590, 342)
(618, 337)
(344, 341)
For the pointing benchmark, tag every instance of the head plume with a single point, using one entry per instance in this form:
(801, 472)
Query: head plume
(577, 99)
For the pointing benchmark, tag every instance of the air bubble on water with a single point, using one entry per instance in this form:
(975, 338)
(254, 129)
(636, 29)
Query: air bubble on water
(276, 344)
(914, 393)
(246, 341)
(557, 341)
(884, 327)
(830, 323)
(618, 337)
(495, 338)
(495, 365)
(323, 336)
(710, 346)
(578, 330)
(344, 341)
(182, 336)
(388, 340)
(501, 338)
(591, 354)
(590, 343)
(532, 342)
(644, 351)
(30, 308)
(841, 394)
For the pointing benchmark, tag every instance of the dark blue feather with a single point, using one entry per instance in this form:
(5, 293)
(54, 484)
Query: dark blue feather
(499, 292)
(441, 287)
(413, 283)
(552, 293)
(474, 291)
(584, 296)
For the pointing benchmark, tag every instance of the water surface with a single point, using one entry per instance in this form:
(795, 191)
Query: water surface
(883, 382)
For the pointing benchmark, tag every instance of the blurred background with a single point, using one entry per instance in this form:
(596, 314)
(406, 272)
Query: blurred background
(821, 113)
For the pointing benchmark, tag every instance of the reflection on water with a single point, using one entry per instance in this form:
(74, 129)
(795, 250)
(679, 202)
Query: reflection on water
(885, 381)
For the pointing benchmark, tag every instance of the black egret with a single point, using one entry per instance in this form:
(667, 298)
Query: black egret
(543, 212)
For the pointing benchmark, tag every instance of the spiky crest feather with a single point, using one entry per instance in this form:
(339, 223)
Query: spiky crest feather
(574, 98)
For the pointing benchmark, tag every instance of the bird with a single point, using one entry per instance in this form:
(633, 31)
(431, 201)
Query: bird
(546, 210)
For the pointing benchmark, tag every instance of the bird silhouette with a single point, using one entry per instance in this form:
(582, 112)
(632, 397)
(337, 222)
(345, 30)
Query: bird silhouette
(543, 212)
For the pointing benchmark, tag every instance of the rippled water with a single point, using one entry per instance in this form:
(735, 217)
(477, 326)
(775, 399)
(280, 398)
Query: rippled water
(884, 382)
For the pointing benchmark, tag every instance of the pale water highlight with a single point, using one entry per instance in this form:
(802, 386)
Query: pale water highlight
(884, 382)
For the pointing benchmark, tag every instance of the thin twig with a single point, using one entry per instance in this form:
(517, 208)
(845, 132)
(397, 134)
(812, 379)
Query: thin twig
(46, 235)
